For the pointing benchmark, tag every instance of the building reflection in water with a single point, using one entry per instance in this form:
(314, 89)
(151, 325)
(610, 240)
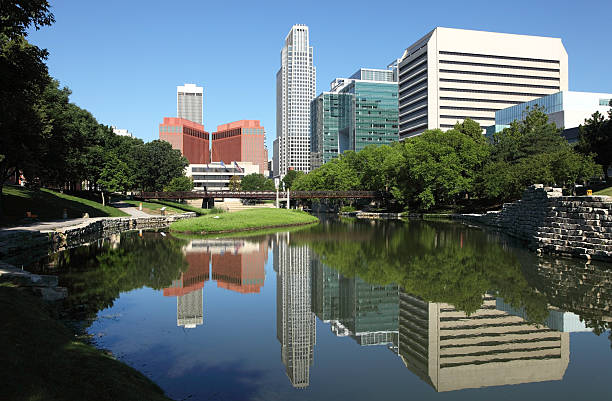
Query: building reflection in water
(295, 320)
(491, 347)
(237, 265)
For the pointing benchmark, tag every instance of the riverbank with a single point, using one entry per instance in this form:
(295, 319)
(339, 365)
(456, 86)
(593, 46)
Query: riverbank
(245, 220)
(47, 204)
(20, 245)
(42, 359)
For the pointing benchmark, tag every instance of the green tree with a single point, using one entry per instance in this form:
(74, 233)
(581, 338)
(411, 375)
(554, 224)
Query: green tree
(181, 184)
(529, 152)
(115, 176)
(23, 77)
(156, 164)
(290, 177)
(441, 167)
(256, 182)
(596, 139)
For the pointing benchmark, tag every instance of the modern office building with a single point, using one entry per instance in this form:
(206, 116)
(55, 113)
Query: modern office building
(295, 321)
(358, 111)
(452, 351)
(567, 109)
(188, 137)
(295, 88)
(452, 74)
(190, 103)
(240, 141)
(216, 176)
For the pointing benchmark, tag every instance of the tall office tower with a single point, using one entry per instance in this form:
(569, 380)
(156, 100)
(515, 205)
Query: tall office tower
(452, 351)
(188, 137)
(295, 88)
(188, 289)
(240, 141)
(358, 111)
(190, 102)
(295, 321)
(452, 74)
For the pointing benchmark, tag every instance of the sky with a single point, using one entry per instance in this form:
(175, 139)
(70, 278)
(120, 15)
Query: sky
(123, 59)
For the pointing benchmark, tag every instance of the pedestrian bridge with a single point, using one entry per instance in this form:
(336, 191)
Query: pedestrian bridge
(264, 195)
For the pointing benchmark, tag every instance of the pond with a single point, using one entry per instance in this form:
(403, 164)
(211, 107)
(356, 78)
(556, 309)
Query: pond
(346, 310)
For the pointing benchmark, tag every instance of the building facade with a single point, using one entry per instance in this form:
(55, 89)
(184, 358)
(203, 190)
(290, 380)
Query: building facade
(188, 137)
(190, 103)
(241, 141)
(452, 74)
(358, 111)
(216, 176)
(121, 132)
(567, 109)
(295, 89)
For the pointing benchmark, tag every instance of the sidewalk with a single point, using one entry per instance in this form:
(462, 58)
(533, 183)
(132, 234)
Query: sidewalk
(130, 209)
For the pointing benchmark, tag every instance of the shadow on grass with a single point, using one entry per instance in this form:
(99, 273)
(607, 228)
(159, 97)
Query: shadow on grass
(42, 361)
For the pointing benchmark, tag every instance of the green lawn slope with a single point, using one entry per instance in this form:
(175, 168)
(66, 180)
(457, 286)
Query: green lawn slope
(605, 191)
(41, 360)
(48, 205)
(254, 219)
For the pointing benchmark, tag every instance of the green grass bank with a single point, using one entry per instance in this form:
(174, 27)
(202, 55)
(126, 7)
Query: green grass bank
(47, 205)
(244, 220)
(605, 191)
(41, 360)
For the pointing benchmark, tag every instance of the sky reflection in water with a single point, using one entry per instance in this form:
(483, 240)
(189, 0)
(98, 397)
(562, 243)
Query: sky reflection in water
(347, 310)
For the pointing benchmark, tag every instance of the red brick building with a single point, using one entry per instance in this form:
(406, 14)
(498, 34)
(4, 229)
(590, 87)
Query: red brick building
(240, 141)
(243, 271)
(188, 137)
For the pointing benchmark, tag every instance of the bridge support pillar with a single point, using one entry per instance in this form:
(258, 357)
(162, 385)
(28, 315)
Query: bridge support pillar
(208, 203)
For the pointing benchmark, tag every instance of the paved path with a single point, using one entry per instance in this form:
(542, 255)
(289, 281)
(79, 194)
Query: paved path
(131, 210)
(44, 225)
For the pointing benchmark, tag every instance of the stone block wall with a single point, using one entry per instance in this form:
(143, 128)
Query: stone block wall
(579, 226)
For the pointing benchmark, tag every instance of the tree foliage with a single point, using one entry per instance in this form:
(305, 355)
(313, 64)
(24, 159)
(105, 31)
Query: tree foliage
(181, 183)
(596, 139)
(256, 182)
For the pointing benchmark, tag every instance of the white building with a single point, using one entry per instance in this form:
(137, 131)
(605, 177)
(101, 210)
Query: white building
(567, 109)
(216, 176)
(295, 88)
(452, 74)
(190, 102)
(121, 132)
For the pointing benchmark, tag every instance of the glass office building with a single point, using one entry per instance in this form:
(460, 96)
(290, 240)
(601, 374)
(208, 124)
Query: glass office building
(354, 114)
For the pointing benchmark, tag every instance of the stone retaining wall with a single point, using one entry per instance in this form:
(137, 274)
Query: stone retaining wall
(14, 246)
(579, 226)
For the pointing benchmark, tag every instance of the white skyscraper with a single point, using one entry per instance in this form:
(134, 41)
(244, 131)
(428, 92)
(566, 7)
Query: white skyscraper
(190, 102)
(295, 88)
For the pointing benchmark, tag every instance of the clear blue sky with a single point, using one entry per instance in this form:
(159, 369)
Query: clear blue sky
(123, 59)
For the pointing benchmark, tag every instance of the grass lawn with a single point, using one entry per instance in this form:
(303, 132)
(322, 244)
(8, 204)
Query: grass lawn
(188, 208)
(605, 191)
(41, 360)
(153, 207)
(48, 204)
(243, 220)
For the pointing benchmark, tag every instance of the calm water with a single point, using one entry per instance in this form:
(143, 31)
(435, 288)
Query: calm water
(346, 310)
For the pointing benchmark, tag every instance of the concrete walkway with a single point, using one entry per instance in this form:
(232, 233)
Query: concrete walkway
(130, 209)
(44, 226)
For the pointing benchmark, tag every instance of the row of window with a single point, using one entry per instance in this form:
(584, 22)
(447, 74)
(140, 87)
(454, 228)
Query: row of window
(465, 99)
(467, 81)
(409, 65)
(461, 118)
(467, 108)
(517, 67)
(535, 60)
(493, 74)
(491, 92)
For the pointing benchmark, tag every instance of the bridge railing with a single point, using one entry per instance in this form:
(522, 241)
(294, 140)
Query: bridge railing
(261, 195)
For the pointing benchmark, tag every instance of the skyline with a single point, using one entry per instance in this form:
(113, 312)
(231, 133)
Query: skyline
(124, 49)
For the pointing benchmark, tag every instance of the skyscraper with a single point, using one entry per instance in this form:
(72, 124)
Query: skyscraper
(190, 102)
(452, 74)
(295, 88)
(295, 320)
